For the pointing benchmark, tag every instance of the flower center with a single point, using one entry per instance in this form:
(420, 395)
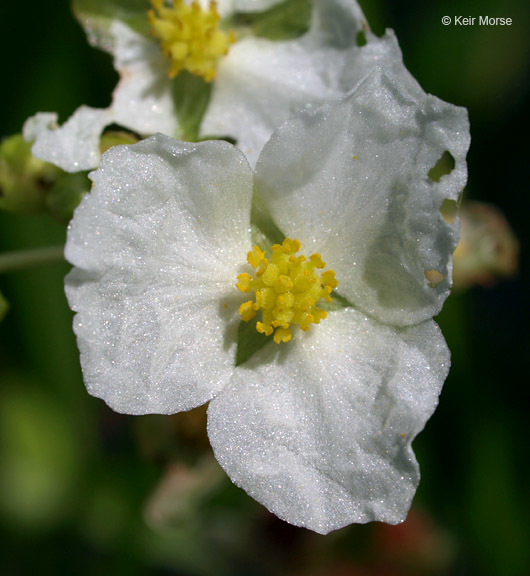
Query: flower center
(287, 289)
(189, 36)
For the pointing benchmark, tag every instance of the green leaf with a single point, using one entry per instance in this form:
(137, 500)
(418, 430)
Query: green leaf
(284, 21)
(191, 95)
(249, 341)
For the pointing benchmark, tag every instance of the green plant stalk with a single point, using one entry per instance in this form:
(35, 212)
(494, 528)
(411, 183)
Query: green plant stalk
(32, 258)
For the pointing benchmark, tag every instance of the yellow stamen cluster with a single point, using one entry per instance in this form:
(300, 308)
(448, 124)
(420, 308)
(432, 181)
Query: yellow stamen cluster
(189, 36)
(287, 289)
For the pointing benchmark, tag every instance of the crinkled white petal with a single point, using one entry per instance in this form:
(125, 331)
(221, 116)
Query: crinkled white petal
(156, 247)
(260, 83)
(74, 146)
(41, 122)
(350, 181)
(142, 99)
(320, 430)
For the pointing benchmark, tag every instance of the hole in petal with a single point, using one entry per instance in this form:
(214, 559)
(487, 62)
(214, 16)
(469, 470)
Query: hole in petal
(361, 38)
(449, 210)
(445, 165)
(433, 277)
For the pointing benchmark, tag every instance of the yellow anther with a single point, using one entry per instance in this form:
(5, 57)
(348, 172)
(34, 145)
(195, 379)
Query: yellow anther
(255, 256)
(288, 289)
(189, 36)
(320, 315)
(243, 283)
(247, 311)
(291, 246)
(329, 279)
(317, 260)
(264, 329)
(297, 259)
(284, 284)
(282, 335)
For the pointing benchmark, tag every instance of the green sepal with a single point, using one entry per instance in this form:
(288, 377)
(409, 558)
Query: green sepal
(249, 341)
(264, 231)
(284, 21)
(65, 195)
(24, 179)
(4, 306)
(191, 96)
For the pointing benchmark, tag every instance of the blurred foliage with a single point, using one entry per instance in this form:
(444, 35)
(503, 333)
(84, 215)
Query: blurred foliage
(24, 180)
(84, 490)
(29, 185)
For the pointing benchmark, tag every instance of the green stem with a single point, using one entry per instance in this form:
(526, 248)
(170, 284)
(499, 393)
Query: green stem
(21, 259)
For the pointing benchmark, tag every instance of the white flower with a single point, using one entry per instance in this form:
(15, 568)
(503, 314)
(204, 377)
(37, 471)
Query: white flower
(318, 429)
(258, 85)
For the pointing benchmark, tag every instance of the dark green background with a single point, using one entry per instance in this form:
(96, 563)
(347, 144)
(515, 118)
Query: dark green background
(74, 476)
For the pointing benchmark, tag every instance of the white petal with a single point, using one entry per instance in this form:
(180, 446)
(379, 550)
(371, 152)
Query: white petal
(351, 182)
(142, 99)
(41, 122)
(320, 430)
(261, 83)
(75, 145)
(157, 245)
(257, 86)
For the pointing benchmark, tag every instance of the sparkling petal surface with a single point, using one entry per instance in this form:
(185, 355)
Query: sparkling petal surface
(156, 247)
(142, 99)
(75, 145)
(350, 181)
(261, 83)
(320, 431)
